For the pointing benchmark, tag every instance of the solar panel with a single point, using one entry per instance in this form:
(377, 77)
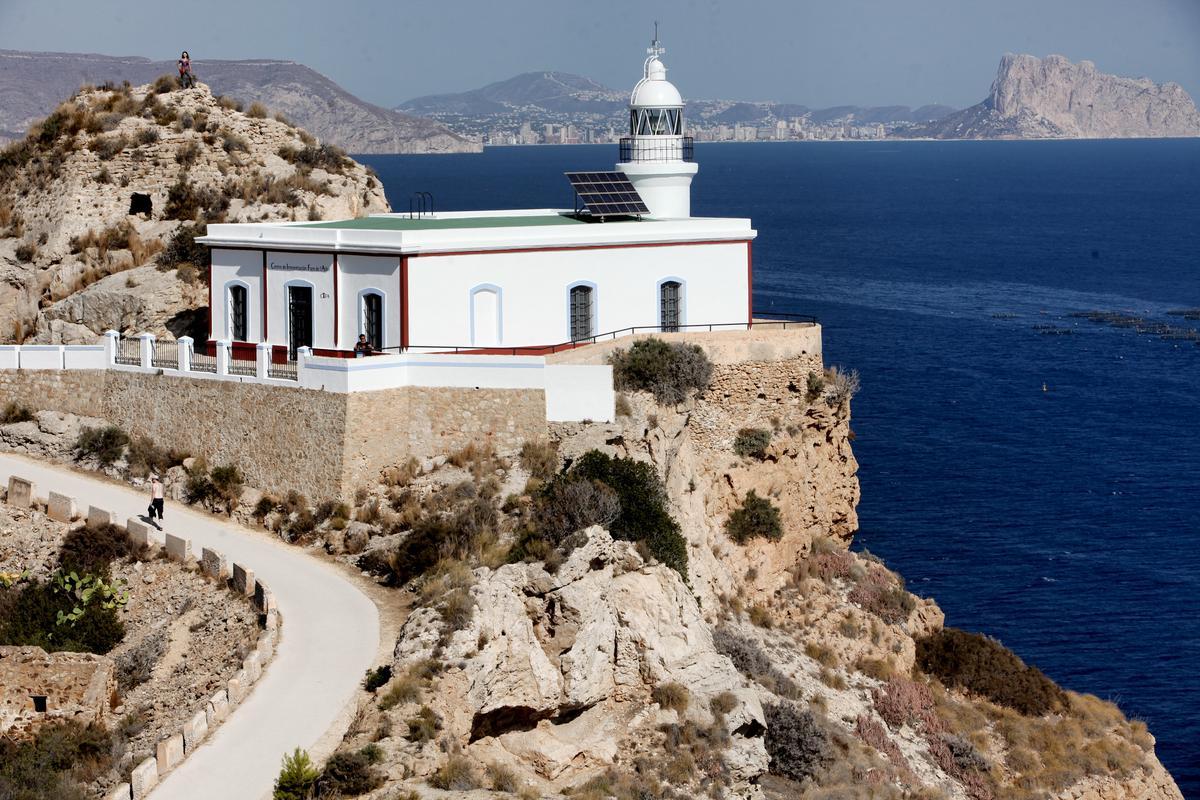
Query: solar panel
(607, 194)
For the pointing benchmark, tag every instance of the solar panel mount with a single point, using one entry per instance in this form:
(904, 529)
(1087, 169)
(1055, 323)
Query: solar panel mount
(606, 194)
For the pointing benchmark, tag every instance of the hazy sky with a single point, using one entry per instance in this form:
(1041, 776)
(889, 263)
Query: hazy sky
(815, 52)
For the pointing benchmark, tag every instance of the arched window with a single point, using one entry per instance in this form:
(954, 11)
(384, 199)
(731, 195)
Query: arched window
(670, 301)
(372, 319)
(486, 316)
(237, 312)
(581, 313)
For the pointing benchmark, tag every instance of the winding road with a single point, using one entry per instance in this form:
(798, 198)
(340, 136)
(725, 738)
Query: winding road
(329, 637)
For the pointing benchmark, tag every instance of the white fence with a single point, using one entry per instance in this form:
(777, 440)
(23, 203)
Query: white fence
(573, 392)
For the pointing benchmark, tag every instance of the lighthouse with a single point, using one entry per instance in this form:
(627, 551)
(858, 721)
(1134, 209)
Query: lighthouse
(656, 156)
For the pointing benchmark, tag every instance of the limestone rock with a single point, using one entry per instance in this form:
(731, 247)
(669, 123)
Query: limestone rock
(1035, 98)
(558, 669)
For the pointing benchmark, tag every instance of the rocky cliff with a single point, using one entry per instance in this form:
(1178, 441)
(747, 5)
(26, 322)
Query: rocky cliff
(773, 666)
(1051, 98)
(74, 260)
(32, 83)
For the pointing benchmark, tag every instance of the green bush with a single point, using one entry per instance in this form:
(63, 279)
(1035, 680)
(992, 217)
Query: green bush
(565, 506)
(752, 442)
(815, 385)
(105, 444)
(14, 412)
(377, 677)
(757, 517)
(186, 201)
(983, 666)
(348, 775)
(183, 249)
(797, 745)
(51, 765)
(30, 614)
(297, 777)
(643, 500)
(323, 156)
(669, 371)
(227, 480)
(92, 548)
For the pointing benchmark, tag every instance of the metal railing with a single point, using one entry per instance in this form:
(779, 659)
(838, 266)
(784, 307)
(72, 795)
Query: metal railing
(164, 355)
(284, 370)
(243, 366)
(129, 351)
(774, 319)
(204, 363)
(668, 148)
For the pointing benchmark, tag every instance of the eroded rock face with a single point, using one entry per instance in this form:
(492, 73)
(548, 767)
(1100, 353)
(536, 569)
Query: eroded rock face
(559, 668)
(1051, 97)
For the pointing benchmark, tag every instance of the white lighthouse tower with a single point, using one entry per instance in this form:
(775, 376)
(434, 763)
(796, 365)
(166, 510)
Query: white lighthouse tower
(656, 156)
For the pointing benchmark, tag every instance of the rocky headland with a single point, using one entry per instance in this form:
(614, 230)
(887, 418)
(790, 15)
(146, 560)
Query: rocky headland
(1052, 98)
(101, 202)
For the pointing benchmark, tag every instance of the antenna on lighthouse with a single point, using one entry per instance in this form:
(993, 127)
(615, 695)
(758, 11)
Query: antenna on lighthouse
(655, 48)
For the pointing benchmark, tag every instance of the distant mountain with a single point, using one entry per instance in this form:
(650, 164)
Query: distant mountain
(556, 92)
(550, 95)
(32, 84)
(1051, 98)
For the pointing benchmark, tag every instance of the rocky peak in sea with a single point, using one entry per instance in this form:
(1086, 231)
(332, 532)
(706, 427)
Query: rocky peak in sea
(1053, 98)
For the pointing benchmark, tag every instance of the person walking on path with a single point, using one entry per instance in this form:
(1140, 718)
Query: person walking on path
(156, 498)
(186, 79)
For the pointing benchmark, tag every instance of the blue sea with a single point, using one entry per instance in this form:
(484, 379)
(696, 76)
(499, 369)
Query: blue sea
(1037, 473)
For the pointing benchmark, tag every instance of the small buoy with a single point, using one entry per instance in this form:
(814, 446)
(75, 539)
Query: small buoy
(1044, 387)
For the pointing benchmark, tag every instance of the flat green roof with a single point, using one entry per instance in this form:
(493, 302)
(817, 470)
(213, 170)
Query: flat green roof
(432, 223)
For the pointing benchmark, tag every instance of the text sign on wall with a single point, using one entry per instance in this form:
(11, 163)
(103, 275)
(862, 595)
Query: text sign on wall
(295, 263)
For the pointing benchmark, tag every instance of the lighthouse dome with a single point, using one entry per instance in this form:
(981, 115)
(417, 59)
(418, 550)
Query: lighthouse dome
(654, 90)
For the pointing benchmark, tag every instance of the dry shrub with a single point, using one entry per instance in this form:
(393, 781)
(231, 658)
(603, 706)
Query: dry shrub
(257, 111)
(501, 778)
(540, 459)
(455, 775)
(478, 459)
(314, 156)
(881, 594)
(751, 661)
(401, 475)
(840, 385)
(672, 696)
(881, 669)
(874, 735)
(107, 147)
(405, 689)
(821, 654)
(825, 566)
(187, 155)
(904, 702)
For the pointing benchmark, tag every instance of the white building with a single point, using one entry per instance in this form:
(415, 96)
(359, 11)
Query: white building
(495, 279)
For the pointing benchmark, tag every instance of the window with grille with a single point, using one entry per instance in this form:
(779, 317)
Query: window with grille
(237, 313)
(581, 313)
(373, 320)
(668, 305)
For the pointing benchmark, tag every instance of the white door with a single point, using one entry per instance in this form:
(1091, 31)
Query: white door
(485, 318)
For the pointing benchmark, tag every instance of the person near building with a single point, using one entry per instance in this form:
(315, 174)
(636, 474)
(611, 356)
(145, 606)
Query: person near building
(362, 347)
(156, 498)
(186, 79)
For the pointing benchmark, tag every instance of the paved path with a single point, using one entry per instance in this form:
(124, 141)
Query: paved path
(329, 638)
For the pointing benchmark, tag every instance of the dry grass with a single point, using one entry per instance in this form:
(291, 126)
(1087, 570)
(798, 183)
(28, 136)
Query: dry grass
(672, 696)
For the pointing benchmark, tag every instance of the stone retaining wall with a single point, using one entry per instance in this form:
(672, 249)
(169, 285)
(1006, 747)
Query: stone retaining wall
(173, 749)
(321, 444)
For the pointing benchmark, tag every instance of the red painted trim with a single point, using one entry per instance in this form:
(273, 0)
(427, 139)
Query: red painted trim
(265, 336)
(211, 332)
(335, 301)
(404, 302)
(577, 247)
(749, 288)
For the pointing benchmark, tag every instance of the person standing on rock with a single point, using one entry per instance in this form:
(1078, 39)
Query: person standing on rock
(186, 79)
(156, 498)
